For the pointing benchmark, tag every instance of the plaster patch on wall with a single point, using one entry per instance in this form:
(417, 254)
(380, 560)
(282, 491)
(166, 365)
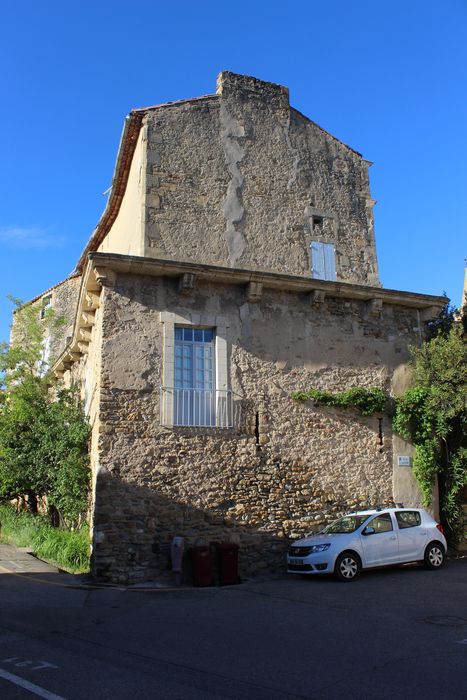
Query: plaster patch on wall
(231, 130)
(295, 154)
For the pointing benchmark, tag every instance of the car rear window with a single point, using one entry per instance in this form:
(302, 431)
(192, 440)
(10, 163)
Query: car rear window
(408, 518)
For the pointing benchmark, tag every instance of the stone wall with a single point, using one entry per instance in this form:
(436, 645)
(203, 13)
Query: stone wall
(282, 469)
(64, 304)
(62, 300)
(241, 179)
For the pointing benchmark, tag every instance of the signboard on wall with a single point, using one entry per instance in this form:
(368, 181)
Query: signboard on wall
(404, 461)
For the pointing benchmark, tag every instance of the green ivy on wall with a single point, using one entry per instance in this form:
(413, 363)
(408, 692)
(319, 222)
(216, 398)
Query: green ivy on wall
(368, 401)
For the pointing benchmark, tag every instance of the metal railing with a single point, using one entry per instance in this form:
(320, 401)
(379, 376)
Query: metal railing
(205, 408)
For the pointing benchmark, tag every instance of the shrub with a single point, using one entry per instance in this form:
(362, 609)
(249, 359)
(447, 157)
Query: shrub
(67, 549)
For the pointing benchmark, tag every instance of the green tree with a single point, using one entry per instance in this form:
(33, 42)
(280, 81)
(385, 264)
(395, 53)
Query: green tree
(433, 415)
(43, 432)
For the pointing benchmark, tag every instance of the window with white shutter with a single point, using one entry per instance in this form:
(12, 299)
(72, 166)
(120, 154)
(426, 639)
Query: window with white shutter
(323, 261)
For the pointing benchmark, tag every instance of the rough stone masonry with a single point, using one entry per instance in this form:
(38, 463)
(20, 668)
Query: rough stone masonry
(235, 263)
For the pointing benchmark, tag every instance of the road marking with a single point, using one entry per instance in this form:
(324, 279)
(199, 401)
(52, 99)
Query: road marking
(462, 641)
(21, 662)
(32, 687)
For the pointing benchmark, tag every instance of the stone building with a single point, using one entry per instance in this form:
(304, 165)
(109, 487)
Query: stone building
(235, 263)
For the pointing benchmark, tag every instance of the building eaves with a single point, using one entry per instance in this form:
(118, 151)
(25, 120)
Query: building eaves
(126, 150)
(174, 103)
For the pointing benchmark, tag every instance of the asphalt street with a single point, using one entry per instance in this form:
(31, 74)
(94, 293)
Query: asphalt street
(398, 632)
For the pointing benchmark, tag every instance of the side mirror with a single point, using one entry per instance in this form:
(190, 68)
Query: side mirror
(368, 531)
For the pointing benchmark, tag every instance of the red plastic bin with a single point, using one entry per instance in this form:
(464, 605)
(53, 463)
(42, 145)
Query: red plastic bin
(227, 563)
(201, 558)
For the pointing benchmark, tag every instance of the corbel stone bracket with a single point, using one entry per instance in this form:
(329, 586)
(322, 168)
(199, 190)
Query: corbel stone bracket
(316, 297)
(85, 334)
(88, 318)
(83, 347)
(375, 307)
(254, 292)
(92, 300)
(104, 276)
(186, 283)
(429, 314)
(74, 356)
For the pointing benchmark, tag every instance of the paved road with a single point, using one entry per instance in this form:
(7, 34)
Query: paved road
(393, 633)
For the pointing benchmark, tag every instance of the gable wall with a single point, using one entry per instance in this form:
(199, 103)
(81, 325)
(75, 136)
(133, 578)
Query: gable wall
(243, 180)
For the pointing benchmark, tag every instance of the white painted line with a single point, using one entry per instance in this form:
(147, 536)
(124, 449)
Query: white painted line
(32, 687)
(462, 641)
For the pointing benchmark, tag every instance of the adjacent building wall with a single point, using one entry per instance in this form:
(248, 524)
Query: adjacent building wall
(64, 303)
(283, 468)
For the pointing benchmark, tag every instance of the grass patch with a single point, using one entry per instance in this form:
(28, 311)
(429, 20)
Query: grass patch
(67, 549)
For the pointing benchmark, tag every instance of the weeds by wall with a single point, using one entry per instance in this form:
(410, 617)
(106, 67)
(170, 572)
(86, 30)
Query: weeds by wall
(67, 549)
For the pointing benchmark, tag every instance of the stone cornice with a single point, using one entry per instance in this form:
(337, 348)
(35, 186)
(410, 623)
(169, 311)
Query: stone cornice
(159, 267)
(103, 268)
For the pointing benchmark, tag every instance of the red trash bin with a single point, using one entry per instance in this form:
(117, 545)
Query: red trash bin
(202, 566)
(227, 563)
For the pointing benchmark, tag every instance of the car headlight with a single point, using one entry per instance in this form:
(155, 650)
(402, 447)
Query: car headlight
(319, 548)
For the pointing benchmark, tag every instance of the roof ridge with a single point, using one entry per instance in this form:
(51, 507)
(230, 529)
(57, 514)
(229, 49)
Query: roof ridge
(175, 102)
(50, 289)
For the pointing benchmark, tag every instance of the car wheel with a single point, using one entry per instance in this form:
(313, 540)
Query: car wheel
(434, 556)
(347, 566)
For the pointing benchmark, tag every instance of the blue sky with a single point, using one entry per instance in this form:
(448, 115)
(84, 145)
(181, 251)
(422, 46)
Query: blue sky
(387, 77)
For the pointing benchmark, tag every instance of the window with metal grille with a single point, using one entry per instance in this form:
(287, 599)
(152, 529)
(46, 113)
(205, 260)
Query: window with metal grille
(194, 400)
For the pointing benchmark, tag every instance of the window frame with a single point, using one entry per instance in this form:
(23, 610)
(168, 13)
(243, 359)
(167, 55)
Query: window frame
(406, 526)
(171, 320)
(46, 304)
(323, 261)
(385, 517)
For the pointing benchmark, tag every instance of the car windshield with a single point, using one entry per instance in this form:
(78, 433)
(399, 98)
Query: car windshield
(349, 523)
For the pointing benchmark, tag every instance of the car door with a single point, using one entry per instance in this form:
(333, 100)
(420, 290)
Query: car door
(379, 541)
(412, 535)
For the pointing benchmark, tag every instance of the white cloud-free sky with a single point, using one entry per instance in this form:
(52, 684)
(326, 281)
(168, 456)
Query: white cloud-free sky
(32, 238)
(386, 77)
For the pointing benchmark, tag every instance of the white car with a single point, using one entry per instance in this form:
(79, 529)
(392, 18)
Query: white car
(369, 539)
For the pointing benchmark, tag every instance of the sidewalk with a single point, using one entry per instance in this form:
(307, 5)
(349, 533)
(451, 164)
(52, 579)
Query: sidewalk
(19, 560)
